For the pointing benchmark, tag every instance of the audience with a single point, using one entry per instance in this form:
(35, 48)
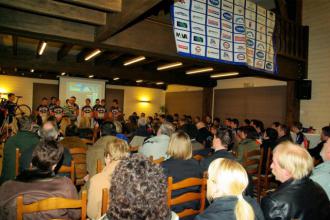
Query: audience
(296, 128)
(114, 152)
(315, 152)
(204, 136)
(298, 197)
(138, 191)
(23, 140)
(321, 173)
(269, 142)
(283, 134)
(108, 134)
(248, 136)
(227, 181)
(39, 183)
(221, 140)
(157, 146)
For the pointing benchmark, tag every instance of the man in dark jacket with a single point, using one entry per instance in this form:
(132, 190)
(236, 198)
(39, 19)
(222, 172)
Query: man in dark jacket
(298, 197)
(283, 134)
(203, 136)
(24, 140)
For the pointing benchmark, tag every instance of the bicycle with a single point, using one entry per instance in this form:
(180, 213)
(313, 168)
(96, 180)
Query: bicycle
(19, 111)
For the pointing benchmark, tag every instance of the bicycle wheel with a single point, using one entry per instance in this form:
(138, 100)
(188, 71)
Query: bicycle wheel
(22, 110)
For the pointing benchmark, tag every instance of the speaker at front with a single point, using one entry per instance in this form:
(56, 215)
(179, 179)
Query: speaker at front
(304, 89)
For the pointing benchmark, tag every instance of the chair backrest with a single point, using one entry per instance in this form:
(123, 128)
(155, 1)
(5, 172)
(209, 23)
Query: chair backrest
(134, 149)
(87, 141)
(189, 196)
(198, 157)
(17, 158)
(79, 160)
(105, 201)
(52, 203)
(269, 161)
(99, 166)
(68, 169)
(157, 161)
(252, 161)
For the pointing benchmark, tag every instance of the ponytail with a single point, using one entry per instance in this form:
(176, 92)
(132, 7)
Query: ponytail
(243, 209)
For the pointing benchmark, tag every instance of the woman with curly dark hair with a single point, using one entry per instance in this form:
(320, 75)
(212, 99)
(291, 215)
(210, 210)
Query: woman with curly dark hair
(138, 191)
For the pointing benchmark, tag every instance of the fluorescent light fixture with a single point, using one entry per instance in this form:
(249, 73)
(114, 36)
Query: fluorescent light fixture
(32, 70)
(200, 70)
(90, 76)
(116, 78)
(63, 74)
(139, 81)
(42, 48)
(135, 60)
(169, 66)
(159, 83)
(92, 54)
(218, 75)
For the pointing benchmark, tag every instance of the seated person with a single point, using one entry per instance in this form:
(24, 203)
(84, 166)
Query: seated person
(298, 197)
(181, 166)
(157, 146)
(221, 140)
(226, 184)
(39, 183)
(25, 140)
(138, 191)
(300, 137)
(269, 142)
(321, 173)
(315, 152)
(114, 152)
(248, 136)
(96, 152)
(203, 136)
(283, 134)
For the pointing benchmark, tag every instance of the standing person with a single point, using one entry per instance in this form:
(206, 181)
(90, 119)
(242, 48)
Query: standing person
(10, 107)
(42, 111)
(298, 197)
(208, 122)
(57, 111)
(73, 100)
(115, 107)
(87, 110)
(52, 103)
(100, 112)
(97, 104)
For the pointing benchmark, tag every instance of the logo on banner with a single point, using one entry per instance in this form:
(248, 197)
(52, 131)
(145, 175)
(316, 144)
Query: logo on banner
(250, 43)
(213, 22)
(226, 36)
(239, 38)
(213, 12)
(182, 24)
(182, 46)
(227, 6)
(239, 20)
(199, 18)
(227, 26)
(198, 39)
(228, 16)
(214, 2)
(249, 52)
(261, 46)
(240, 56)
(213, 42)
(239, 29)
(260, 55)
(198, 49)
(250, 34)
(269, 66)
(181, 35)
(181, 13)
(226, 45)
(214, 32)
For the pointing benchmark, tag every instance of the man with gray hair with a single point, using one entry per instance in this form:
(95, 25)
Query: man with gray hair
(24, 140)
(157, 146)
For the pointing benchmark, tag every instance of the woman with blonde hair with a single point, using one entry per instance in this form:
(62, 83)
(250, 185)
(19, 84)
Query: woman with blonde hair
(227, 181)
(180, 166)
(114, 152)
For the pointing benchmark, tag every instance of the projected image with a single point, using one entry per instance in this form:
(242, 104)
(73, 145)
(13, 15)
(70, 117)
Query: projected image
(84, 90)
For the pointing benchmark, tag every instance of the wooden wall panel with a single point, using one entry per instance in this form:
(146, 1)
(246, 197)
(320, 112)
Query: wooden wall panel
(41, 90)
(189, 103)
(111, 94)
(265, 103)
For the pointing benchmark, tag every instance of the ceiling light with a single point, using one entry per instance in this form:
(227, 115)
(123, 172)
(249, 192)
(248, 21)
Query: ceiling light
(116, 78)
(92, 54)
(42, 48)
(32, 70)
(159, 83)
(90, 76)
(169, 66)
(63, 74)
(224, 74)
(200, 70)
(135, 60)
(139, 81)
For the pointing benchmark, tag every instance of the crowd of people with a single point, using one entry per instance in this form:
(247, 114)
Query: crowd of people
(138, 187)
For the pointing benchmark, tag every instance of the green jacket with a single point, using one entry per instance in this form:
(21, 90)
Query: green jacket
(246, 145)
(24, 140)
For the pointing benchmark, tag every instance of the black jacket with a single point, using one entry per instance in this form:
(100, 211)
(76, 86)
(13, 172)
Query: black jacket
(224, 208)
(205, 163)
(297, 199)
(266, 144)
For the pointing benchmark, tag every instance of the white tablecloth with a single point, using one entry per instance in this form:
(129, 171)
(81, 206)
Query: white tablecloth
(314, 139)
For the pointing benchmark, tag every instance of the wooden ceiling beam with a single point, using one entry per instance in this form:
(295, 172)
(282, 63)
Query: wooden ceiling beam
(63, 51)
(15, 42)
(59, 10)
(132, 9)
(103, 5)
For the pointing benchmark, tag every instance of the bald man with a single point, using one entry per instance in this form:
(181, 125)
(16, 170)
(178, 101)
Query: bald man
(203, 136)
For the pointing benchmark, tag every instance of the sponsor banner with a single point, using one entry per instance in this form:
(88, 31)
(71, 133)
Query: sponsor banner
(213, 42)
(198, 7)
(197, 28)
(231, 31)
(198, 50)
(212, 53)
(181, 24)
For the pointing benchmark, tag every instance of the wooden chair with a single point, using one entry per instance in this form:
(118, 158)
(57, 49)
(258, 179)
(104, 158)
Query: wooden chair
(17, 159)
(198, 157)
(187, 197)
(87, 141)
(105, 201)
(99, 166)
(265, 179)
(133, 149)
(157, 161)
(252, 162)
(79, 161)
(52, 203)
(68, 169)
